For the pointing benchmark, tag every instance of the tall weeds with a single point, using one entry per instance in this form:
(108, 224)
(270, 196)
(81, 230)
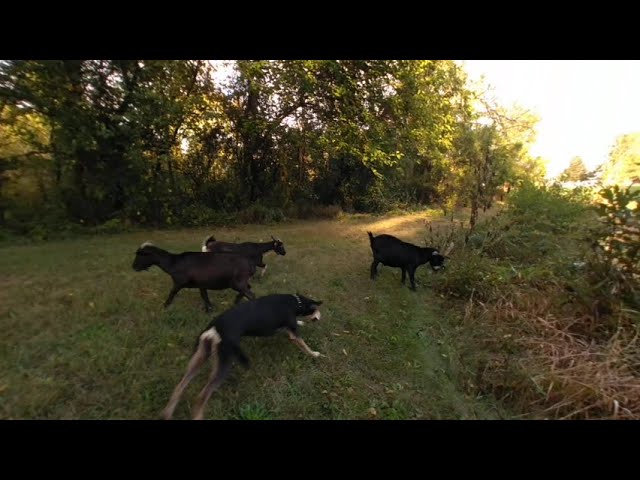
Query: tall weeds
(551, 291)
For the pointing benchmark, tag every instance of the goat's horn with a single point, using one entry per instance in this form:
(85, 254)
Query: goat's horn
(448, 250)
(273, 238)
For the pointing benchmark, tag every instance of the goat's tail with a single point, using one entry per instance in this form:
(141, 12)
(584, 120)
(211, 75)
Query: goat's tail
(205, 243)
(370, 238)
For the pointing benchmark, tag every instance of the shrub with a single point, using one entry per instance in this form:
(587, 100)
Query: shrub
(551, 325)
(258, 213)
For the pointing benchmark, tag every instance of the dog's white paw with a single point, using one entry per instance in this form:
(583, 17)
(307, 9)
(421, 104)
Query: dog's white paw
(300, 322)
(316, 354)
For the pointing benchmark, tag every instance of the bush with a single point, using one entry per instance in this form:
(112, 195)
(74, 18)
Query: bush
(546, 209)
(326, 211)
(613, 268)
(306, 210)
(618, 243)
(558, 337)
(258, 213)
(199, 216)
(467, 273)
(372, 201)
(115, 225)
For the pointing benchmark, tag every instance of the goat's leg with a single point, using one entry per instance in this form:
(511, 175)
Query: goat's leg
(262, 272)
(172, 294)
(245, 292)
(412, 273)
(215, 379)
(194, 366)
(205, 298)
(238, 298)
(301, 343)
(249, 294)
(374, 271)
(404, 275)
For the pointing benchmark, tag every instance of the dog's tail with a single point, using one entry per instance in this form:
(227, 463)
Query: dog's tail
(208, 342)
(207, 241)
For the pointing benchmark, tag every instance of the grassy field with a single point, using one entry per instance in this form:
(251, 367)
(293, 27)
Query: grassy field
(86, 337)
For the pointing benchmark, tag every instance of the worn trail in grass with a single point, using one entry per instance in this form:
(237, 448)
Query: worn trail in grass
(84, 336)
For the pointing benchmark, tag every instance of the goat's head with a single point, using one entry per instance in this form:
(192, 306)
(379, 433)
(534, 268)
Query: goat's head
(278, 246)
(308, 307)
(206, 245)
(437, 259)
(146, 256)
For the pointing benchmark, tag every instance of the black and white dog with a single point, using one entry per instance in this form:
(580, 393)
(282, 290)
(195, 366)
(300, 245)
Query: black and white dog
(262, 317)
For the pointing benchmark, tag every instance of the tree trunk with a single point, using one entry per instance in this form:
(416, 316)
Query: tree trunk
(474, 214)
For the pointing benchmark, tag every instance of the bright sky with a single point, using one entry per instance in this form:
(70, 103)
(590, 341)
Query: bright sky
(583, 104)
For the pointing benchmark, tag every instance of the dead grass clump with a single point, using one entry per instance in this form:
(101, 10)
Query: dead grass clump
(536, 363)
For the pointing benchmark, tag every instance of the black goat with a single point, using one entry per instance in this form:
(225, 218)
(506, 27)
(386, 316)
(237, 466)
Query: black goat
(261, 318)
(206, 271)
(393, 252)
(254, 251)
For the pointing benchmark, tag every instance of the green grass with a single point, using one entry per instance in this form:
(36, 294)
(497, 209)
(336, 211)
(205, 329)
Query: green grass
(86, 337)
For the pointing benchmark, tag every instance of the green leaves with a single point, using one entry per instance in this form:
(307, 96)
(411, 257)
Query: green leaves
(163, 139)
(575, 172)
(623, 164)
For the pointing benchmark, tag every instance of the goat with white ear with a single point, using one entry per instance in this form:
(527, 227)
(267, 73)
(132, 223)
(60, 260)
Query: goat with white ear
(221, 340)
(254, 251)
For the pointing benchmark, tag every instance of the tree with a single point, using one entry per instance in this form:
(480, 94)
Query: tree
(575, 172)
(114, 127)
(623, 165)
(158, 142)
(430, 100)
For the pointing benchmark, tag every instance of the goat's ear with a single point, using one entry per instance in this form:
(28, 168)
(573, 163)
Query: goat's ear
(318, 302)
